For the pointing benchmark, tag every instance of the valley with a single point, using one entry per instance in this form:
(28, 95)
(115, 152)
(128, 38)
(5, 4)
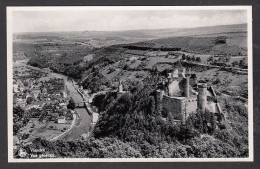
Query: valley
(145, 88)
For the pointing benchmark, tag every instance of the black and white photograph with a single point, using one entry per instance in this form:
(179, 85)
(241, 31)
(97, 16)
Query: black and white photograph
(130, 84)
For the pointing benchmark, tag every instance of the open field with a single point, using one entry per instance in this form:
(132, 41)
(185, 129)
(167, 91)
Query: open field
(225, 81)
(199, 44)
(46, 130)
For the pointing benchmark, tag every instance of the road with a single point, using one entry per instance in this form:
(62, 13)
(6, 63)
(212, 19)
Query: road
(83, 121)
(67, 131)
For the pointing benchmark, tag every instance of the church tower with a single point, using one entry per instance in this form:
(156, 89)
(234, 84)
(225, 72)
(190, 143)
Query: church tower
(120, 87)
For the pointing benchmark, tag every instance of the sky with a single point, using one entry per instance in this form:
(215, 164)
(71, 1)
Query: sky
(120, 20)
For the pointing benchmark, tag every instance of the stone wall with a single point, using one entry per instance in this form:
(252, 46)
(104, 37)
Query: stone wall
(191, 106)
(177, 106)
(202, 96)
(174, 105)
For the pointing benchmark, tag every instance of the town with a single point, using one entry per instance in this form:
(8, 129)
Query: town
(43, 106)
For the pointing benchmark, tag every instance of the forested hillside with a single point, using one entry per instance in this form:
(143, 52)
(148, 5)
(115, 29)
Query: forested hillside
(133, 126)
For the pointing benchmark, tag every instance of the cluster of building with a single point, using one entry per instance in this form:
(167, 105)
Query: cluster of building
(32, 94)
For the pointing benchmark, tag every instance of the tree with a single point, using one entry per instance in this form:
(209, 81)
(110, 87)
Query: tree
(183, 56)
(126, 66)
(198, 59)
(235, 63)
(228, 58)
(69, 115)
(29, 100)
(217, 81)
(41, 118)
(18, 113)
(71, 104)
(135, 86)
(20, 118)
(111, 69)
(25, 83)
(16, 129)
(188, 58)
(25, 136)
(210, 59)
(151, 105)
(242, 63)
(48, 119)
(193, 58)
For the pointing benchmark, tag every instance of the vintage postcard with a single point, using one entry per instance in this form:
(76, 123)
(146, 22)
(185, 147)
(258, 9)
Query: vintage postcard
(130, 84)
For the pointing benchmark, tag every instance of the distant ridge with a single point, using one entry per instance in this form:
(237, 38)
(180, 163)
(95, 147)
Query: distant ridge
(163, 33)
(172, 29)
(216, 29)
(107, 38)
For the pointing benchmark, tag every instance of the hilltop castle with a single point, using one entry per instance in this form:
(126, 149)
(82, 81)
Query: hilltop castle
(184, 95)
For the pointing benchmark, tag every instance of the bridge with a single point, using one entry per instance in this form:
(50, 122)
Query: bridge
(80, 104)
(84, 105)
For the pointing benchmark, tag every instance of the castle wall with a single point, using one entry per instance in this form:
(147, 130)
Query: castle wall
(174, 106)
(191, 106)
(178, 107)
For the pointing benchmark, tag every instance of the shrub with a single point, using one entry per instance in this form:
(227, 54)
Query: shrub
(111, 69)
(71, 104)
(29, 100)
(223, 135)
(235, 63)
(242, 63)
(193, 58)
(25, 136)
(183, 56)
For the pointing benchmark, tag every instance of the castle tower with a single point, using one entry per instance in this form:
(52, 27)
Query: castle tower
(120, 87)
(180, 68)
(159, 95)
(173, 84)
(187, 85)
(202, 96)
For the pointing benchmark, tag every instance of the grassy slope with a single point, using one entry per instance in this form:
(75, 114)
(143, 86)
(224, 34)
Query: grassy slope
(202, 45)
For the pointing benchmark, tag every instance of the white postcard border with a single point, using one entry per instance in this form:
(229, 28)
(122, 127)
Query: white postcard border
(94, 8)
